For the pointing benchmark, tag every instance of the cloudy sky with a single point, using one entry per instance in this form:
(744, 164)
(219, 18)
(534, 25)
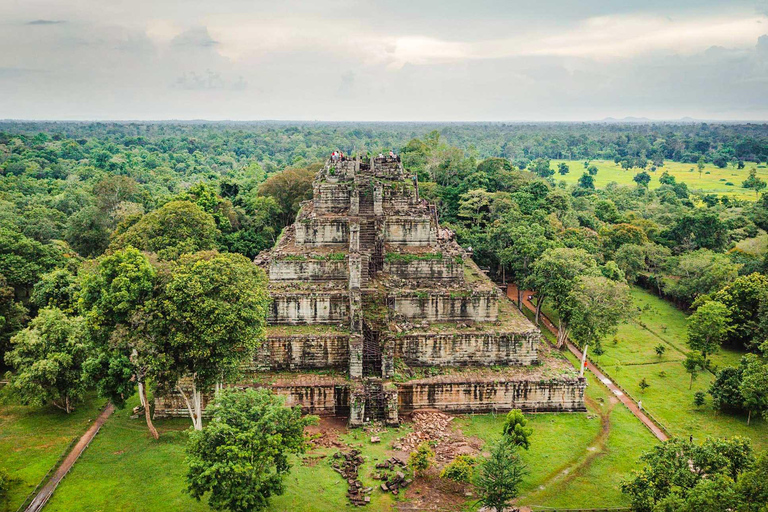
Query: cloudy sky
(399, 60)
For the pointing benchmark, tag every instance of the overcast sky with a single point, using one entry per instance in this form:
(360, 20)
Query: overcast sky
(401, 60)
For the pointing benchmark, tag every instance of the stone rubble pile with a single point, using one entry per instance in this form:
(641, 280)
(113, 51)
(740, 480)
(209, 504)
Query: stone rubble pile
(348, 465)
(392, 483)
(427, 426)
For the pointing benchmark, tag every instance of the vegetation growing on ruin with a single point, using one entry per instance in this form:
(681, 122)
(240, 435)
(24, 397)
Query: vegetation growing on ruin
(408, 257)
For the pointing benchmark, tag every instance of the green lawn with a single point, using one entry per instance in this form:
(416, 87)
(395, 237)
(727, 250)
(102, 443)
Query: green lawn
(125, 469)
(33, 438)
(712, 183)
(632, 357)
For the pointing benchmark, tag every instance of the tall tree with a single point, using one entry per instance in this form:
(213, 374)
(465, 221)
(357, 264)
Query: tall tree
(210, 319)
(499, 476)
(522, 243)
(12, 315)
(594, 308)
(177, 228)
(241, 457)
(113, 298)
(555, 274)
(48, 357)
(708, 327)
(754, 386)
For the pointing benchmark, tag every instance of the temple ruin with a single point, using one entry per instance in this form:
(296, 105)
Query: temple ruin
(377, 311)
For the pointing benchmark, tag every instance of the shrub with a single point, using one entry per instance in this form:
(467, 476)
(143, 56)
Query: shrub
(515, 429)
(5, 482)
(461, 469)
(699, 398)
(421, 459)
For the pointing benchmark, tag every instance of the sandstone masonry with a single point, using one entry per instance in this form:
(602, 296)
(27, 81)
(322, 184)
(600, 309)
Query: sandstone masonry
(389, 313)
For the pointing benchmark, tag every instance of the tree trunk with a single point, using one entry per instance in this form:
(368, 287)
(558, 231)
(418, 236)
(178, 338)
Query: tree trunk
(147, 415)
(142, 400)
(562, 334)
(520, 298)
(690, 384)
(66, 403)
(198, 399)
(749, 417)
(539, 302)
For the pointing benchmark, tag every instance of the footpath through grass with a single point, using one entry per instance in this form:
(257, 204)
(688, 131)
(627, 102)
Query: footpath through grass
(33, 438)
(713, 180)
(630, 356)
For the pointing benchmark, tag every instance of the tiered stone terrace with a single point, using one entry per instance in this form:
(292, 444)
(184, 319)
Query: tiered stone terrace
(368, 291)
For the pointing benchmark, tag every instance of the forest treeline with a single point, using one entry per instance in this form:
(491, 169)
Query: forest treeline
(72, 192)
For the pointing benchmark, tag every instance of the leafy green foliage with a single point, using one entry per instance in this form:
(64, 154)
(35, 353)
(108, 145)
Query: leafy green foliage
(679, 475)
(421, 459)
(499, 476)
(177, 228)
(12, 315)
(48, 357)
(59, 289)
(23, 260)
(211, 316)
(239, 460)
(515, 429)
(708, 327)
(461, 469)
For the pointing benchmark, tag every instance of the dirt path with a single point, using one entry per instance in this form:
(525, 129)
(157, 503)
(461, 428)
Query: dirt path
(596, 448)
(47, 491)
(631, 405)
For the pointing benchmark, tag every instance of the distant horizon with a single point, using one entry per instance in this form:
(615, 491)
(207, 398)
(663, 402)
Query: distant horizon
(606, 120)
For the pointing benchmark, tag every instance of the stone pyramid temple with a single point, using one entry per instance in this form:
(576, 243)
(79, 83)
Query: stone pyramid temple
(377, 311)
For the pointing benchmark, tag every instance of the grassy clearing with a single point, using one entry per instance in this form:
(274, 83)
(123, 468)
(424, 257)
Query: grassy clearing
(125, 469)
(712, 183)
(594, 484)
(33, 438)
(631, 357)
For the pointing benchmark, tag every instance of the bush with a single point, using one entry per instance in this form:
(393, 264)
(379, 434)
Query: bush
(515, 429)
(461, 469)
(5, 482)
(421, 459)
(699, 398)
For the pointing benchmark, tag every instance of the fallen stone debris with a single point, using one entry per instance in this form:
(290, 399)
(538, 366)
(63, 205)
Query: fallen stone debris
(348, 465)
(435, 428)
(427, 426)
(392, 482)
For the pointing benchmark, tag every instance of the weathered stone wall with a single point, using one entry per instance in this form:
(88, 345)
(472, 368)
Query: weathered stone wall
(320, 399)
(309, 308)
(445, 268)
(315, 232)
(499, 396)
(331, 396)
(467, 349)
(315, 394)
(443, 307)
(308, 270)
(331, 197)
(409, 231)
(399, 197)
(306, 352)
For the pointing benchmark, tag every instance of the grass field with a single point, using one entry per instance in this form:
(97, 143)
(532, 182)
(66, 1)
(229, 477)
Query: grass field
(570, 464)
(124, 469)
(33, 438)
(632, 358)
(712, 183)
